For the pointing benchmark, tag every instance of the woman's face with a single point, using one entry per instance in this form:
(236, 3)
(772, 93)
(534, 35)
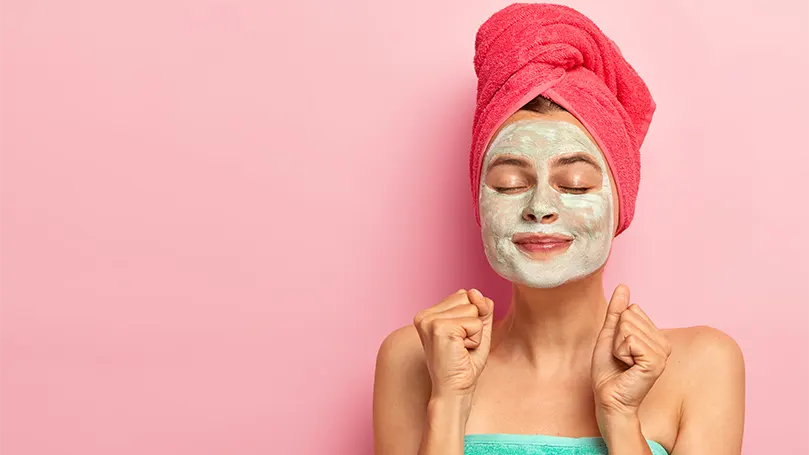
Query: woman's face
(547, 201)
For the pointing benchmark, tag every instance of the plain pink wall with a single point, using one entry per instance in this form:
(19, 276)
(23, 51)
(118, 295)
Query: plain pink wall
(213, 212)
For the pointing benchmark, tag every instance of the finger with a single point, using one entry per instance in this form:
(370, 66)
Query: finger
(426, 324)
(655, 337)
(622, 332)
(635, 308)
(485, 306)
(468, 329)
(645, 358)
(466, 310)
(639, 322)
(627, 328)
(623, 353)
(474, 333)
(459, 297)
(618, 303)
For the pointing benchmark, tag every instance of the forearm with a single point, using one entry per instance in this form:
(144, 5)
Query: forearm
(445, 426)
(623, 436)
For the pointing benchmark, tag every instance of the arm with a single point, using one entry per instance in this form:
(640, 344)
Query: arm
(445, 426)
(407, 420)
(624, 437)
(629, 356)
(426, 376)
(712, 420)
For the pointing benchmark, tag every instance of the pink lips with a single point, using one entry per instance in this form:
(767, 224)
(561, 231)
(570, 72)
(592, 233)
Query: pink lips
(542, 243)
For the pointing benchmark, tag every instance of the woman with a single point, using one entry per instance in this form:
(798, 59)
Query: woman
(555, 171)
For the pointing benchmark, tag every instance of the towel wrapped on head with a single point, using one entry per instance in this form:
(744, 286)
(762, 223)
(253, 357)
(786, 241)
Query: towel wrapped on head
(531, 49)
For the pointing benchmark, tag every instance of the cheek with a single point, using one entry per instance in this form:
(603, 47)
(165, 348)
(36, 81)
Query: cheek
(586, 212)
(499, 214)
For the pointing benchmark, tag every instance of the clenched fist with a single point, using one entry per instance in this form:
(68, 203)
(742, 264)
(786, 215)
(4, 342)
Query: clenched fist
(456, 335)
(628, 358)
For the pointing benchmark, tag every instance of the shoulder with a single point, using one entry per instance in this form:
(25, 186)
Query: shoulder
(703, 359)
(708, 371)
(703, 346)
(401, 360)
(402, 389)
(401, 345)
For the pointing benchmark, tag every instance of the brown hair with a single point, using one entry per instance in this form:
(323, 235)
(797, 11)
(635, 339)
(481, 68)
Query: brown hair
(542, 105)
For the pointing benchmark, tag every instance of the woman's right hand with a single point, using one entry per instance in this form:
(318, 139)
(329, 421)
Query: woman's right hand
(456, 335)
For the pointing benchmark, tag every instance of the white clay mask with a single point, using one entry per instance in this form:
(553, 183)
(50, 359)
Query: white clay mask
(551, 181)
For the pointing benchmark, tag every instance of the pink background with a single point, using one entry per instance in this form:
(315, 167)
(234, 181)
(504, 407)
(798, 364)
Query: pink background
(213, 212)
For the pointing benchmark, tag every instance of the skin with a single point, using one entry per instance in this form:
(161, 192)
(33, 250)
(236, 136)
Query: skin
(563, 361)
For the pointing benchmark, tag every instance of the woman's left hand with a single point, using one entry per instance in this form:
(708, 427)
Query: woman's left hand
(629, 355)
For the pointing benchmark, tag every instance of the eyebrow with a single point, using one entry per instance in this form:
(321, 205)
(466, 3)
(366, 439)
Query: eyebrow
(510, 160)
(567, 160)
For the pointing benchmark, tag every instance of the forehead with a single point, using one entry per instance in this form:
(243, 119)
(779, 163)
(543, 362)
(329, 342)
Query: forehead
(534, 136)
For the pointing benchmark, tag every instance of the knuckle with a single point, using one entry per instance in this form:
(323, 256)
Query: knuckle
(457, 293)
(469, 310)
(439, 328)
(425, 323)
(630, 316)
(418, 318)
(458, 298)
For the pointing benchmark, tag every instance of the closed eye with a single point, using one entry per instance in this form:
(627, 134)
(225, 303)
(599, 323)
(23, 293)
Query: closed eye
(575, 190)
(510, 189)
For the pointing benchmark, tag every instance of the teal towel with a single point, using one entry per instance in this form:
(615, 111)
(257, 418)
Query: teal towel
(525, 444)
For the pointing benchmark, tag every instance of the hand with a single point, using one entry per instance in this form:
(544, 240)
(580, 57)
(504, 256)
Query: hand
(629, 355)
(456, 336)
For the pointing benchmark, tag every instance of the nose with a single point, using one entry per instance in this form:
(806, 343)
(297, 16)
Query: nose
(540, 210)
(546, 218)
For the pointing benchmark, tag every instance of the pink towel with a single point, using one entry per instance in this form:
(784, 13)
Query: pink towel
(528, 49)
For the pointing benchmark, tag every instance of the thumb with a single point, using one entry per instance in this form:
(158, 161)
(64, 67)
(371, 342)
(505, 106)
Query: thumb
(618, 303)
(485, 305)
(485, 314)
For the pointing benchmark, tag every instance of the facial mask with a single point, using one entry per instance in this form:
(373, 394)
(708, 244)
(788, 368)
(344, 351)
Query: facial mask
(586, 218)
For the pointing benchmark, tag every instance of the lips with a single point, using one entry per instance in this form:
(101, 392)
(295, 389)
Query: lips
(542, 243)
(526, 238)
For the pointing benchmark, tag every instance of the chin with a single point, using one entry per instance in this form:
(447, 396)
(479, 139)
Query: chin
(531, 279)
(542, 275)
(545, 284)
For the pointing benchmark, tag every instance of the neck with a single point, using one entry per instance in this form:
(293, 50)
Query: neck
(555, 328)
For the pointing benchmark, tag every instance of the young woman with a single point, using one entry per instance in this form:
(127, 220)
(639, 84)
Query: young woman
(555, 170)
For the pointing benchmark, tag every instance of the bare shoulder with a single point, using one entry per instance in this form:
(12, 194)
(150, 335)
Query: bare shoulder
(707, 369)
(703, 346)
(402, 389)
(401, 353)
(701, 355)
